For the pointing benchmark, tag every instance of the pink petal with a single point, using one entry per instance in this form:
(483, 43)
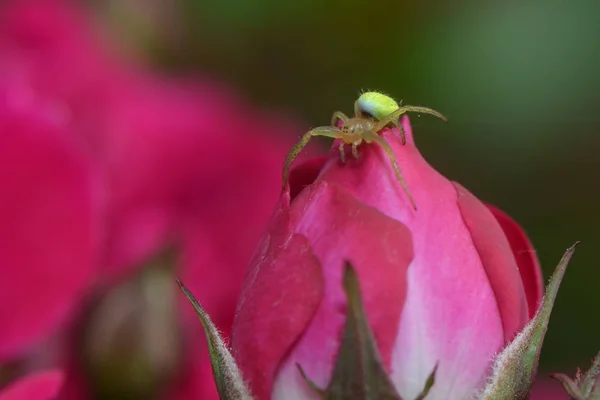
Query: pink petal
(50, 228)
(498, 260)
(526, 257)
(304, 175)
(340, 228)
(38, 386)
(270, 320)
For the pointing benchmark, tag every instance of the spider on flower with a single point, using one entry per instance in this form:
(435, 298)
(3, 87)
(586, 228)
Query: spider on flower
(373, 112)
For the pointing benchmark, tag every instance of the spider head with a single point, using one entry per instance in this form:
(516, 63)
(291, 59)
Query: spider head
(355, 128)
(348, 127)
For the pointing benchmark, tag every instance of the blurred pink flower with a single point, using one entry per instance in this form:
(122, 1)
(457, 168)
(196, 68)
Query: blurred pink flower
(164, 142)
(38, 386)
(60, 51)
(183, 162)
(451, 283)
(50, 211)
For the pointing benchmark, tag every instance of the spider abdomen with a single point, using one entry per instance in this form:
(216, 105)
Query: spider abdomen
(376, 104)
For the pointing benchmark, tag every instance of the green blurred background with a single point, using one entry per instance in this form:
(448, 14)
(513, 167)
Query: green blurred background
(517, 79)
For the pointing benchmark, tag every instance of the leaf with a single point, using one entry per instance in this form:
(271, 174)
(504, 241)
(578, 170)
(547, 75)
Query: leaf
(515, 367)
(358, 373)
(228, 378)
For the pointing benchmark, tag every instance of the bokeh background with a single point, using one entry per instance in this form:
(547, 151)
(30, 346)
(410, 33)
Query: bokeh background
(518, 81)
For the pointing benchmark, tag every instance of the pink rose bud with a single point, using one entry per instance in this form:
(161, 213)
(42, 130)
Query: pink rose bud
(450, 283)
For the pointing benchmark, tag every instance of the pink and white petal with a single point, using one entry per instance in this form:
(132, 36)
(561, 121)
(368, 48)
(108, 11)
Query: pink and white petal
(38, 386)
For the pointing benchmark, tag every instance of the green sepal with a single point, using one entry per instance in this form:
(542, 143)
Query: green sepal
(358, 372)
(590, 381)
(428, 384)
(570, 386)
(584, 386)
(228, 378)
(515, 367)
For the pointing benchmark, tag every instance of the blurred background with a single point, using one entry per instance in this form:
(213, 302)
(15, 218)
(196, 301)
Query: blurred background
(518, 81)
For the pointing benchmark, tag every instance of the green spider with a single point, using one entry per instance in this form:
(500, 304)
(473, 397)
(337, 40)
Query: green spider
(373, 111)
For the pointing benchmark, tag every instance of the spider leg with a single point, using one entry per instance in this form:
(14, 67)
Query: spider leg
(342, 153)
(356, 108)
(387, 121)
(327, 131)
(338, 116)
(423, 110)
(394, 118)
(401, 130)
(355, 149)
(390, 153)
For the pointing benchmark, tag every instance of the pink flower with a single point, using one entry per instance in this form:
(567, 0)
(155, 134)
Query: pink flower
(184, 162)
(451, 283)
(38, 386)
(50, 212)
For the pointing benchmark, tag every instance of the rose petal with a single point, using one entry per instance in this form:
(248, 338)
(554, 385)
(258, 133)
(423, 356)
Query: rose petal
(304, 174)
(263, 332)
(498, 260)
(526, 257)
